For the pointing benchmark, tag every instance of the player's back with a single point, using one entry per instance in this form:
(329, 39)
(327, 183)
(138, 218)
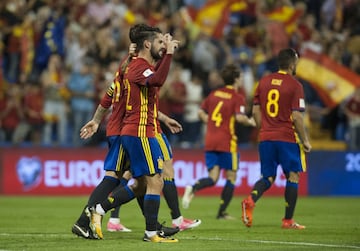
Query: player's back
(278, 95)
(221, 106)
(116, 118)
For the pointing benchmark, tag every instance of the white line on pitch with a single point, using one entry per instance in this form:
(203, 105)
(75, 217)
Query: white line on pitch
(277, 242)
(208, 239)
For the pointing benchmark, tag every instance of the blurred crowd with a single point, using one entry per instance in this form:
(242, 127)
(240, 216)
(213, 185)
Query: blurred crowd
(59, 56)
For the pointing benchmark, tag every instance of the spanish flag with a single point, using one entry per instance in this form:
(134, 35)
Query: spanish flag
(212, 18)
(332, 81)
(287, 15)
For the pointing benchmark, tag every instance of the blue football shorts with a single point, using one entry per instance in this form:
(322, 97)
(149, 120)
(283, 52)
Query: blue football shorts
(116, 159)
(164, 146)
(144, 154)
(290, 156)
(225, 160)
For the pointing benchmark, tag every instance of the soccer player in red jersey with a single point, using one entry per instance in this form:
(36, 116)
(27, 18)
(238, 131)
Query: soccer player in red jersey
(138, 132)
(219, 111)
(169, 189)
(114, 164)
(278, 108)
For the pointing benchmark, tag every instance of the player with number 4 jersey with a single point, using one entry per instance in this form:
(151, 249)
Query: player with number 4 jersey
(219, 111)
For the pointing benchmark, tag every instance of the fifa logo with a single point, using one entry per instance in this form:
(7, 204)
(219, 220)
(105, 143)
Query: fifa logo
(29, 172)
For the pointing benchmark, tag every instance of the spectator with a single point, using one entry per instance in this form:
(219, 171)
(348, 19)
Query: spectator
(82, 89)
(55, 103)
(175, 92)
(99, 11)
(77, 48)
(33, 108)
(192, 123)
(352, 111)
(11, 112)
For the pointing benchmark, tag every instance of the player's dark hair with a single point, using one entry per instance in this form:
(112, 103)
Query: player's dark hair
(229, 73)
(141, 32)
(286, 57)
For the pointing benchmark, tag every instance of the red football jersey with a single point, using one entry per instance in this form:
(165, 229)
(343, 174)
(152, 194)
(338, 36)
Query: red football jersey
(278, 94)
(221, 106)
(115, 96)
(141, 81)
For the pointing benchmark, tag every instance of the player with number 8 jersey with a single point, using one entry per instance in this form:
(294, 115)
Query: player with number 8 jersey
(278, 108)
(279, 92)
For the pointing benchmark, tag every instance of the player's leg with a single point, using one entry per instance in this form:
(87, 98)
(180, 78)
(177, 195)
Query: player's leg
(114, 223)
(211, 159)
(230, 163)
(268, 162)
(162, 230)
(170, 190)
(115, 159)
(108, 184)
(120, 197)
(293, 162)
(147, 161)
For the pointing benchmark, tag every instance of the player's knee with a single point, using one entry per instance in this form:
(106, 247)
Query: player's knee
(111, 174)
(139, 188)
(293, 177)
(269, 181)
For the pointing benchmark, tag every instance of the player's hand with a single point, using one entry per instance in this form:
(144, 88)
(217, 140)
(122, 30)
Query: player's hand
(171, 45)
(252, 122)
(132, 50)
(307, 146)
(89, 129)
(173, 125)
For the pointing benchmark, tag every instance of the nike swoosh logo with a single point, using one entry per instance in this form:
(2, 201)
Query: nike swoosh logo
(85, 234)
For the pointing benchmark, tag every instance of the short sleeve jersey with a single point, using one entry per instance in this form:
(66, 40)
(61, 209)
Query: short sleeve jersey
(141, 100)
(222, 105)
(278, 94)
(114, 97)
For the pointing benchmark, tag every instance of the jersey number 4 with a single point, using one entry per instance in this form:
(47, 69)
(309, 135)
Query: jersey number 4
(216, 114)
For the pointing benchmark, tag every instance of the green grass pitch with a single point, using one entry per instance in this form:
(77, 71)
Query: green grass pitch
(44, 223)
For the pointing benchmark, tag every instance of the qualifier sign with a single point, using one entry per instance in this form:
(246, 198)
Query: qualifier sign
(65, 171)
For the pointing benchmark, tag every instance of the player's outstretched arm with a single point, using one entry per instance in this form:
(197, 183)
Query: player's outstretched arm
(91, 127)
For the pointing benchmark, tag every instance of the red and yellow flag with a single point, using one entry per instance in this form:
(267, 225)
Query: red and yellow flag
(333, 81)
(212, 18)
(287, 15)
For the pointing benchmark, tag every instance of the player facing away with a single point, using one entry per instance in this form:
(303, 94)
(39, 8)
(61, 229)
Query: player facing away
(278, 108)
(138, 132)
(220, 110)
